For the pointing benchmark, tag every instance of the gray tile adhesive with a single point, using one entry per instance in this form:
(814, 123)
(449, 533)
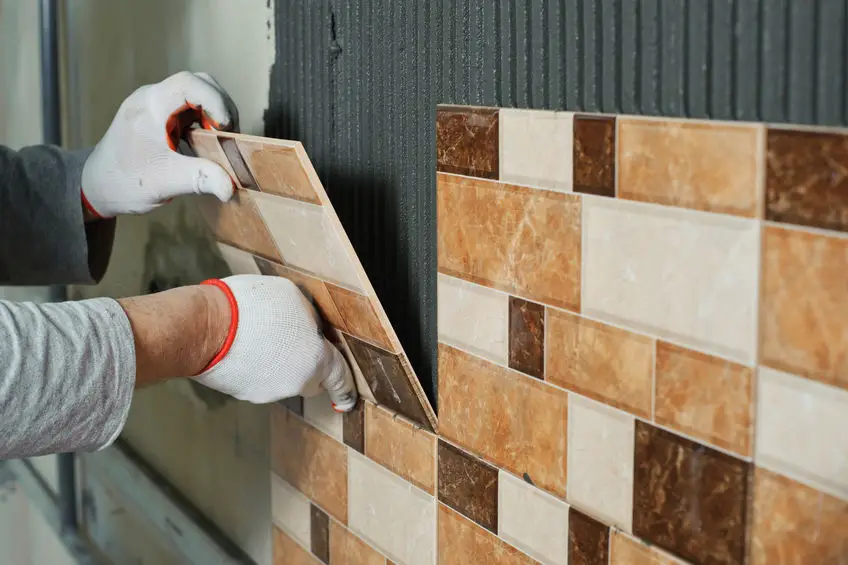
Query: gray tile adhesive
(358, 82)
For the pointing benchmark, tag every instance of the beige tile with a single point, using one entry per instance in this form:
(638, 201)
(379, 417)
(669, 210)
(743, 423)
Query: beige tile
(277, 169)
(802, 430)
(391, 514)
(240, 262)
(361, 319)
(318, 411)
(536, 148)
(473, 318)
(532, 520)
(462, 542)
(288, 552)
(347, 549)
(689, 277)
(239, 223)
(625, 550)
(290, 510)
(600, 461)
(401, 447)
(206, 145)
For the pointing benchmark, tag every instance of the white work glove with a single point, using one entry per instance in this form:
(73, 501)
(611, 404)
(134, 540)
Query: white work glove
(277, 349)
(135, 167)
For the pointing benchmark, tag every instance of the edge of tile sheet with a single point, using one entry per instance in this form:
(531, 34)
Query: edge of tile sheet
(333, 218)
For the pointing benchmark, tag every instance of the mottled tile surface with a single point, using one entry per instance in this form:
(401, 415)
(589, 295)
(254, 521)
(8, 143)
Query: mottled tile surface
(594, 154)
(401, 447)
(705, 397)
(237, 164)
(600, 361)
(467, 141)
(290, 510)
(514, 421)
(688, 498)
(807, 178)
(704, 166)
(353, 427)
(512, 238)
(588, 540)
(320, 538)
(526, 337)
(462, 542)
(347, 549)
(473, 318)
(625, 550)
(278, 170)
(239, 224)
(805, 305)
(536, 148)
(288, 552)
(360, 317)
(468, 485)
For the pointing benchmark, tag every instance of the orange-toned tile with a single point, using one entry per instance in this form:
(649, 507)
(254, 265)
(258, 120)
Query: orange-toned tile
(704, 396)
(277, 170)
(360, 317)
(288, 552)
(239, 224)
(805, 305)
(347, 549)
(310, 461)
(516, 239)
(401, 447)
(796, 525)
(462, 542)
(698, 165)
(600, 361)
(512, 420)
(625, 550)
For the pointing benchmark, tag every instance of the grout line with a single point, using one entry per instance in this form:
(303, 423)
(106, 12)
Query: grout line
(812, 230)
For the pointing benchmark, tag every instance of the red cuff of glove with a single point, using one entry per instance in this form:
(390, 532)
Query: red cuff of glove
(231, 334)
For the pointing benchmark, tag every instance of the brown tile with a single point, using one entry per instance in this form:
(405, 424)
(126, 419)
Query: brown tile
(312, 462)
(625, 550)
(705, 397)
(239, 224)
(388, 377)
(805, 305)
(237, 164)
(700, 165)
(353, 427)
(205, 144)
(526, 336)
(462, 542)
(320, 533)
(807, 178)
(360, 317)
(794, 524)
(288, 552)
(517, 239)
(688, 498)
(514, 421)
(588, 540)
(594, 155)
(467, 141)
(602, 362)
(399, 446)
(469, 486)
(278, 170)
(347, 549)
(294, 403)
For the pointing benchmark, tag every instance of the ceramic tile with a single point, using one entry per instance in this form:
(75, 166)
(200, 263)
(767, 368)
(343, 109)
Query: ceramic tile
(526, 337)
(462, 542)
(347, 549)
(805, 305)
(290, 510)
(588, 540)
(535, 148)
(400, 447)
(312, 462)
(353, 427)
(239, 262)
(802, 430)
(600, 461)
(794, 524)
(288, 552)
(362, 385)
(391, 514)
(705, 397)
(686, 276)
(243, 175)
(278, 170)
(625, 550)
(467, 141)
(473, 317)
(692, 164)
(207, 146)
(293, 404)
(807, 178)
(517, 239)
(688, 498)
(318, 411)
(594, 155)
(514, 421)
(600, 361)
(468, 485)
(239, 224)
(320, 534)
(532, 520)
(360, 318)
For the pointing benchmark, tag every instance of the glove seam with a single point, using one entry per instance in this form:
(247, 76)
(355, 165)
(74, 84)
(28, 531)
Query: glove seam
(234, 319)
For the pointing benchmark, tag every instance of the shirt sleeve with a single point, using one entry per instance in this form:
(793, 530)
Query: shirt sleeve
(43, 237)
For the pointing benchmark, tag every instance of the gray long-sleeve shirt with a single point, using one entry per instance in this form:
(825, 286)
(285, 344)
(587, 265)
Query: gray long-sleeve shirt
(67, 371)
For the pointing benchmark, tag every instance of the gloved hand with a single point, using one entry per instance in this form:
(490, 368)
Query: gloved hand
(135, 167)
(275, 348)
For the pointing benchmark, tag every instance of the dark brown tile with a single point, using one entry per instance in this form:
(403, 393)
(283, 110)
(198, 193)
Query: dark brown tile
(594, 155)
(526, 336)
(353, 427)
(295, 404)
(231, 150)
(468, 485)
(467, 141)
(688, 498)
(588, 540)
(807, 178)
(320, 533)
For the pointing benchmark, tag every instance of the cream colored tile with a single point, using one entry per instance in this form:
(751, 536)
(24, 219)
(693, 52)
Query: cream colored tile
(533, 521)
(600, 461)
(307, 239)
(802, 430)
(290, 510)
(240, 262)
(687, 276)
(473, 318)
(391, 514)
(318, 411)
(536, 148)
